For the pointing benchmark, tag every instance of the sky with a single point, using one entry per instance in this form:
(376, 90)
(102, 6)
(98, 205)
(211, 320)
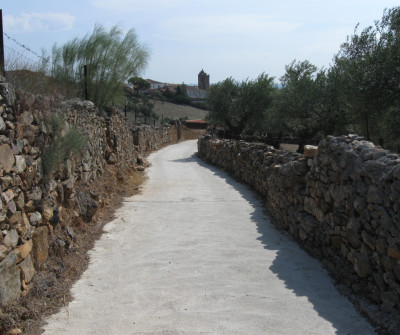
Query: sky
(226, 38)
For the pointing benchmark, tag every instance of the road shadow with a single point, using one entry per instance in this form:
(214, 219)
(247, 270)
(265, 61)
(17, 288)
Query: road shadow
(300, 273)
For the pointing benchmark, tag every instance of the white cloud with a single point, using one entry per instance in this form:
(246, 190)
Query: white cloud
(203, 27)
(136, 5)
(38, 22)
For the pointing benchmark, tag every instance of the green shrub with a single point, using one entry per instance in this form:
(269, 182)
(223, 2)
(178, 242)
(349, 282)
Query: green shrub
(62, 146)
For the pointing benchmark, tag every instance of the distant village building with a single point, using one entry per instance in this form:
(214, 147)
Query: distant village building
(203, 80)
(195, 92)
(155, 85)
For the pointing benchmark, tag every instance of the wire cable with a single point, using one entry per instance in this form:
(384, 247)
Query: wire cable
(19, 54)
(23, 46)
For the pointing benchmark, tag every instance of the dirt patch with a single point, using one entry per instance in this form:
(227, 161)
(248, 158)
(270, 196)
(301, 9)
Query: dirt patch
(50, 289)
(289, 147)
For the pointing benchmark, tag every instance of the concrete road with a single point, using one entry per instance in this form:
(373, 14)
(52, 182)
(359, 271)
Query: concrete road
(196, 254)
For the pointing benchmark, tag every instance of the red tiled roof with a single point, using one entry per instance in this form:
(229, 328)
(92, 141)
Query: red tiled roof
(150, 81)
(196, 121)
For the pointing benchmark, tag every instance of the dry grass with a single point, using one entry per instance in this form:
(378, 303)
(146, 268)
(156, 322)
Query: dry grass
(173, 111)
(289, 147)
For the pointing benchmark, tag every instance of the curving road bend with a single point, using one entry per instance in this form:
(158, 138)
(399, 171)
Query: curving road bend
(195, 253)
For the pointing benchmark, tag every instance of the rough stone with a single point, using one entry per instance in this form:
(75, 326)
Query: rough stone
(394, 252)
(86, 205)
(35, 218)
(21, 201)
(362, 265)
(6, 157)
(112, 159)
(47, 211)
(310, 151)
(36, 194)
(23, 251)
(11, 239)
(8, 196)
(20, 164)
(29, 206)
(24, 229)
(10, 280)
(2, 124)
(3, 251)
(15, 219)
(354, 239)
(27, 118)
(375, 195)
(71, 233)
(6, 182)
(27, 269)
(8, 93)
(40, 248)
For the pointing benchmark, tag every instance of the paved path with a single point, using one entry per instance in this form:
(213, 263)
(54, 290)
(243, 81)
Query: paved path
(196, 254)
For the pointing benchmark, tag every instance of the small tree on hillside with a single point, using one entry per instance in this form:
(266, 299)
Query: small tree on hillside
(139, 84)
(181, 96)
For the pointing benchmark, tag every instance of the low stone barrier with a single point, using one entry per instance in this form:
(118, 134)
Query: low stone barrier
(32, 204)
(341, 202)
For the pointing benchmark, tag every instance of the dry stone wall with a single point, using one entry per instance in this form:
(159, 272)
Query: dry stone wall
(341, 203)
(31, 205)
(148, 138)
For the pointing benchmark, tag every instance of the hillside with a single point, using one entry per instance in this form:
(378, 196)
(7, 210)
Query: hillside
(174, 111)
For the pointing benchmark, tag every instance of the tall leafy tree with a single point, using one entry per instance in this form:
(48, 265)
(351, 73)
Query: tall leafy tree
(369, 62)
(355, 62)
(300, 98)
(237, 105)
(387, 58)
(309, 101)
(111, 59)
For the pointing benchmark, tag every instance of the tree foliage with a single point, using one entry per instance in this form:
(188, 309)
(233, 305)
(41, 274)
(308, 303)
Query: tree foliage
(240, 105)
(309, 101)
(369, 63)
(139, 84)
(111, 58)
(360, 92)
(181, 97)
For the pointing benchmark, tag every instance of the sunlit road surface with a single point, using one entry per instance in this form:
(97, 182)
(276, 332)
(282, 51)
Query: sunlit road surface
(195, 253)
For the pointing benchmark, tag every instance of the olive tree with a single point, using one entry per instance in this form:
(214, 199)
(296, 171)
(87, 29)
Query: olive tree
(240, 105)
(139, 84)
(369, 64)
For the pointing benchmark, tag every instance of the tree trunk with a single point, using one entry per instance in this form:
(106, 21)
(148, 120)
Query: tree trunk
(367, 126)
(300, 150)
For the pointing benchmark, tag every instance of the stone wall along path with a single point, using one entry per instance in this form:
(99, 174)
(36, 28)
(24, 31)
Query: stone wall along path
(195, 253)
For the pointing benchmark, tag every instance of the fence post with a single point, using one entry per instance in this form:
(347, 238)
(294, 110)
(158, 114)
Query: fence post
(85, 79)
(2, 69)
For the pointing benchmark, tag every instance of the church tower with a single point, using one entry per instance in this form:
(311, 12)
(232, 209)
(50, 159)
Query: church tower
(203, 80)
